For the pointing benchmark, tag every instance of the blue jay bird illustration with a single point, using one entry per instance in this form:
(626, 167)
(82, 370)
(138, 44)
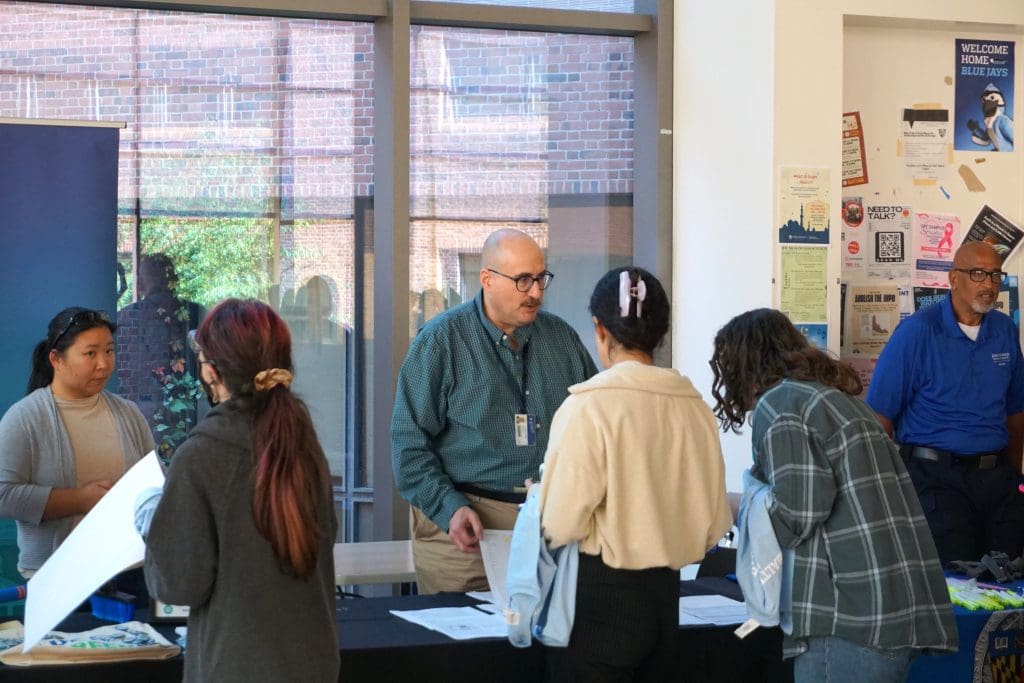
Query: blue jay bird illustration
(998, 129)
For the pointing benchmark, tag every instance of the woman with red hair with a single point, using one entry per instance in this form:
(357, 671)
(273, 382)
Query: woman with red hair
(244, 531)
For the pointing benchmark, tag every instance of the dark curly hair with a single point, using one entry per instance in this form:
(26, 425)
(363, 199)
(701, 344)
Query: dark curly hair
(634, 332)
(758, 349)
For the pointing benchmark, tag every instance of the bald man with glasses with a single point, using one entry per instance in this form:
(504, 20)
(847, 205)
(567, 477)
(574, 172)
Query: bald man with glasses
(949, 387)
(474, 401)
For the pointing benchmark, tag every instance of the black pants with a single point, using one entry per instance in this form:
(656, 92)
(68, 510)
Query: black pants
(625, 627)
(970, 511)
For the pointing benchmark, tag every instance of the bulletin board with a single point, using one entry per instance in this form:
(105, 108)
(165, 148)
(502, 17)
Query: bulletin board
(928, 159)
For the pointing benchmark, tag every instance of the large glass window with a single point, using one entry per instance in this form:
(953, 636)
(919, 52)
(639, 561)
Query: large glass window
(589, 5)
(526, 130)
(248, 145)
(246, 165)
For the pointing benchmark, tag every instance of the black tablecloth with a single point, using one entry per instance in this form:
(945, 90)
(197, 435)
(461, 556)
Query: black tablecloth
(716, 654)
(375, 643)
(377, 646)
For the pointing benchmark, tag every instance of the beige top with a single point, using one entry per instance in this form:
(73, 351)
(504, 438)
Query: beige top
(95, 441)
(634, 470)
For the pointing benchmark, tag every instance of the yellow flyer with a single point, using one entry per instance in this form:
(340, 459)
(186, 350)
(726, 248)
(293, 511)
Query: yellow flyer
(804, 283)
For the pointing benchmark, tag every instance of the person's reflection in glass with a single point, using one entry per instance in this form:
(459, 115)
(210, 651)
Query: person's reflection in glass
(320, 349)
(155, 368)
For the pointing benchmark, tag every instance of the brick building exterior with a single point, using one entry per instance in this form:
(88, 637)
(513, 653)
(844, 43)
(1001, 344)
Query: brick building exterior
(268, 124)
(274, 118)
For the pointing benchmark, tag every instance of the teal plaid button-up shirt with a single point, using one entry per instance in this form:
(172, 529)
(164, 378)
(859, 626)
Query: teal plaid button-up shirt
(455, 404)
(865, 566)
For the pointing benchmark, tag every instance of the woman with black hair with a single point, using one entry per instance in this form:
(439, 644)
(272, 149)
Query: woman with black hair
(867, 588)
(634, 473)
(66, 443)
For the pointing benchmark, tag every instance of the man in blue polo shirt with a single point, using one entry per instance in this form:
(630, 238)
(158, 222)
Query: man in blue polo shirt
(950, 382)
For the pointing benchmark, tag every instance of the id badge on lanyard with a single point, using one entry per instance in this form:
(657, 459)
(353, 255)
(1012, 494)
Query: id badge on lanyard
(525, 424)
(526, 430)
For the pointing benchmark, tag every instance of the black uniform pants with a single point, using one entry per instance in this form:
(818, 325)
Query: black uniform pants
(970, 510)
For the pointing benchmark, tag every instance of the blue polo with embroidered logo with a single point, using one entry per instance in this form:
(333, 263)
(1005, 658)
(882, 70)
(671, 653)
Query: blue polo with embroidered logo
(942, 390)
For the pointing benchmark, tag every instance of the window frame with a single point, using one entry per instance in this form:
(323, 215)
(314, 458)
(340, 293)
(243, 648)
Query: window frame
(651, 25)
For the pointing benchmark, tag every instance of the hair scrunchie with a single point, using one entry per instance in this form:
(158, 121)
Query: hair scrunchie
(266, 380)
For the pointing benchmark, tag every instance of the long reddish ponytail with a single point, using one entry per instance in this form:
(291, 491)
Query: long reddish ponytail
(243, 338)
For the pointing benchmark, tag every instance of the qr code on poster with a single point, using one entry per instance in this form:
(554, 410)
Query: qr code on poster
(889, 247)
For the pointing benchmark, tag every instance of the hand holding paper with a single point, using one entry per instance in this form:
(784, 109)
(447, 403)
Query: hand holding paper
(104, 543)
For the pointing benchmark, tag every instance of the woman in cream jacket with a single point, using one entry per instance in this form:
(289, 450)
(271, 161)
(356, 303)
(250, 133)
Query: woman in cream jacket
(634, 473)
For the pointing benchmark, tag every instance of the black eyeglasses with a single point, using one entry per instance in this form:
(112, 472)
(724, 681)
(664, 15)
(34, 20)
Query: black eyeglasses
(82, 318)
(525, 282)
(979, 275)
(196, 349)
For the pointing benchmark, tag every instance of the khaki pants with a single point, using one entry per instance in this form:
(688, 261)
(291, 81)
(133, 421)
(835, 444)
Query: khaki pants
(440, 566)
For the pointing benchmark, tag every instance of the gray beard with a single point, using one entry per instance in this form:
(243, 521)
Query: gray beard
(981, 308)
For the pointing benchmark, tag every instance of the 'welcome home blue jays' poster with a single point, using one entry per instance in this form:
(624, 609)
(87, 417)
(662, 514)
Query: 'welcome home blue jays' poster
(984, 96)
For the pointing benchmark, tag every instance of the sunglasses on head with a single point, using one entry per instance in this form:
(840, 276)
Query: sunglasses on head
(82, 318)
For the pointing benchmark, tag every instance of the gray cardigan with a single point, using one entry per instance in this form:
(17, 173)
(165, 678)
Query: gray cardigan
(36, 457)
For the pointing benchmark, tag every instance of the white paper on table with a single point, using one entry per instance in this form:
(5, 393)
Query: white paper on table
(458, 623)
(494, 547)
(103, 544)
(711, 609)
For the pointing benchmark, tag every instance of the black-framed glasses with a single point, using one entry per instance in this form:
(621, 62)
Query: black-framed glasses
(193, 344)
(82, 318)
(979, 275)
(525, 281)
